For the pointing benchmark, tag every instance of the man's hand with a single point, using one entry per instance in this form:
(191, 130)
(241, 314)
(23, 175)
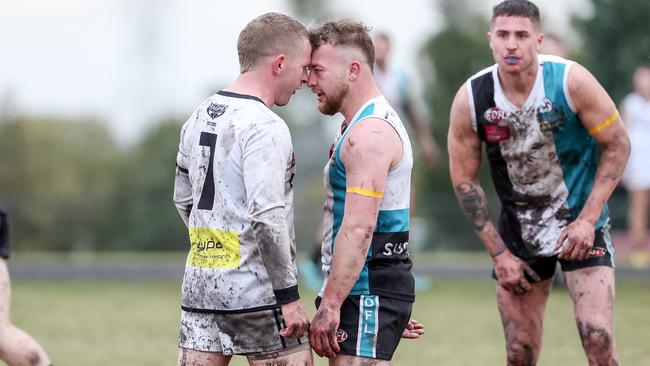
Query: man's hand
(413, 330)
(295, 320)
(511, 273)
(322, 332)
(576, 241)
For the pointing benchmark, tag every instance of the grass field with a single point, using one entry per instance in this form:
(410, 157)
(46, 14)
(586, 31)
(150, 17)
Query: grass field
(101, 323)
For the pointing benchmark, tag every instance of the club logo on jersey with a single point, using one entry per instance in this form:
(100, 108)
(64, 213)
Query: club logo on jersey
(597, 252)
(216, 110)
(550, 116)
(341, 335)
(495, 115)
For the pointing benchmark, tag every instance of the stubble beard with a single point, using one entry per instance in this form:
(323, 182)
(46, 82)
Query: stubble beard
(334, 101)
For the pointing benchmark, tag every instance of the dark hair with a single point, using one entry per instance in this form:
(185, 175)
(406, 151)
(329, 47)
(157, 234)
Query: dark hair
(344, 32)
(517, 8)
(267, 35)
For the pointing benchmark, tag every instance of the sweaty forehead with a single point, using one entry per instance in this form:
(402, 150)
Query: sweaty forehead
(513, 24)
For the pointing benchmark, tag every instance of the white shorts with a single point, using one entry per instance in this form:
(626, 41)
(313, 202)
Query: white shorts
(236, 334)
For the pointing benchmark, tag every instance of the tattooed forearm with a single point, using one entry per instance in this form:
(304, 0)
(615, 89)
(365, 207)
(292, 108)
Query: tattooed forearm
(472, 200)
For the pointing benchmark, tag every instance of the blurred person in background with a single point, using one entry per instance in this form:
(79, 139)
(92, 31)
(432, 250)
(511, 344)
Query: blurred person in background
(557, 149)
(17, 348)
(367, 296)
(234, 191)
(554, 45)
(395, 86)
(635, 109)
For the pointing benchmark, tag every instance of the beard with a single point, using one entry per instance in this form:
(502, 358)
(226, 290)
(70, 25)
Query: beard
(334, 100)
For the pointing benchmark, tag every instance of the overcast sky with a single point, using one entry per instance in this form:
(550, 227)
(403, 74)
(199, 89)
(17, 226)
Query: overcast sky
(128, 62)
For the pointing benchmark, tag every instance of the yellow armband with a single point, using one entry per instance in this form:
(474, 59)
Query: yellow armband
(365, 192)
(594, 131)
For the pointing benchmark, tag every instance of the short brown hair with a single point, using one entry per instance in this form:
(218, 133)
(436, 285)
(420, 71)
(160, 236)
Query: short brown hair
(267, 35)
(344, 32)
(517, 8)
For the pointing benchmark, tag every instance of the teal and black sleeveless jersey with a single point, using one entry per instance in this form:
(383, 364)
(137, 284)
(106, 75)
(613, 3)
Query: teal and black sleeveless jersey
(387, 271)
(542, 158)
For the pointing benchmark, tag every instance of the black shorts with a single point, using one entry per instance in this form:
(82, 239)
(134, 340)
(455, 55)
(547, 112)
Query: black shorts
(4, 235)
(602, 254)
(371, 326)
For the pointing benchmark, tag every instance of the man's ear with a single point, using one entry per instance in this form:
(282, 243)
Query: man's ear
(279, 64)
(354, 70)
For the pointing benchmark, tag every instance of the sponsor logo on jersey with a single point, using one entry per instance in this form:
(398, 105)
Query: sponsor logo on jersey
(597, 252)
(496, 132)
(495, 115)
(341, 335)
(216, 110)
(391, 249)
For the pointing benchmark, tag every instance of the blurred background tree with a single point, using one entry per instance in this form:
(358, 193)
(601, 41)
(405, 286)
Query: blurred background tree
(452, 55)
(616, 39)
(57, 178)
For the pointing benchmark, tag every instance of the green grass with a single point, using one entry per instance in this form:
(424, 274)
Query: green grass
(136, 323)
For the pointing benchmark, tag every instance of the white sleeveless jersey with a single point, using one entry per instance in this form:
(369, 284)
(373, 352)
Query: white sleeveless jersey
(542, 158)
(387, 271)
(234, 191)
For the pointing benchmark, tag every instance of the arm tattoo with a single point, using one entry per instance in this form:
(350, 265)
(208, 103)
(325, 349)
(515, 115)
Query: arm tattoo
(473, 203)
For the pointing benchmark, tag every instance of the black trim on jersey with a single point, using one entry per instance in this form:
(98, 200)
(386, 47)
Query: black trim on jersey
(509, 226)
(241, 96)
(286, 295)
(389, 269)
(234, 311)
(276, 315)
(182, 170)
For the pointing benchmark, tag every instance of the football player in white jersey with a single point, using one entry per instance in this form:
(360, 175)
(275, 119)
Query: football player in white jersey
(557, 149)
(368, 293)
(234, 191)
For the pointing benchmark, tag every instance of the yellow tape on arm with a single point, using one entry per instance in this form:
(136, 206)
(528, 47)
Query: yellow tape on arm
(594, 131)
(365, 192)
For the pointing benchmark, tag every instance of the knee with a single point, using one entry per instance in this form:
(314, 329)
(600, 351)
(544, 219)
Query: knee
(522, 354)
(597, 342)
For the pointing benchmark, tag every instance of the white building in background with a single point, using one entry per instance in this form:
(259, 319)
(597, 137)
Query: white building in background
(131, 62)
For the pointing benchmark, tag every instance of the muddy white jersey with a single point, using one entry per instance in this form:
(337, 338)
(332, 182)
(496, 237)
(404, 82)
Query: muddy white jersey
(542, 158)
(234, 191)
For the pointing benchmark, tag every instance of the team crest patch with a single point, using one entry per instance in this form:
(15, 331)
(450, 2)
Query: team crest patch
(216, 110)
(341, 335)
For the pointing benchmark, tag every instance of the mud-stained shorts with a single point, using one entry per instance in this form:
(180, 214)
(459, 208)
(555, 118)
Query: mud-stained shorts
(602, 254)
(371, 326)
(236, 334)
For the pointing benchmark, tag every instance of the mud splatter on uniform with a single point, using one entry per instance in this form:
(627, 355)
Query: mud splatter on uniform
(379, 305)
(542, 158)
(234, 191)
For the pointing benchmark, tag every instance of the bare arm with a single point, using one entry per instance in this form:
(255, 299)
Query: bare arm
(368, 153)
(598, 114)
(464, 147)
